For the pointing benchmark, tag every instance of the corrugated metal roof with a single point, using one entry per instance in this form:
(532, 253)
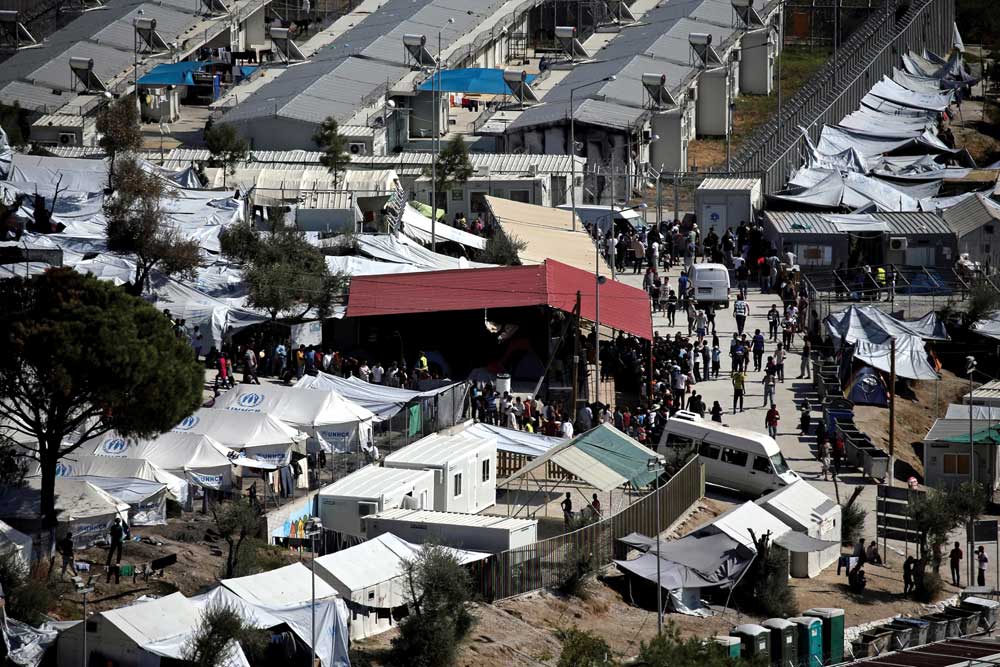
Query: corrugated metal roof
(950, 428)
(374, 481)
(729, 183)
(971, 213)
(789, 223)
(438, 449)
(454, 519)
(989, 392)
(33, 98)
(59, 120)
(360, 61)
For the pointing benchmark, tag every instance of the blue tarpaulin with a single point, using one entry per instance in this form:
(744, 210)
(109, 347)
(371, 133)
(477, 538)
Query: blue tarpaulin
(172, 74)
(246, 71)
(471, 80)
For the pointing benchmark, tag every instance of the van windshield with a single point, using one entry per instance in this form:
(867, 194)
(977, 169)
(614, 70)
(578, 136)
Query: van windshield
(780, 466)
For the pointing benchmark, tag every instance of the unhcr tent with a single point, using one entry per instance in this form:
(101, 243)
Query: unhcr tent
(143, 633)
(259, 436)
(81, 507)
(332, 422)
(369, 577)
(867, 388)
(78, 465)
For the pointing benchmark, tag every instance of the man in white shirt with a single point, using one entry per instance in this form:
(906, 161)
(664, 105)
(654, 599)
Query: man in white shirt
(364, 371)
(567, 429)
(377, 373)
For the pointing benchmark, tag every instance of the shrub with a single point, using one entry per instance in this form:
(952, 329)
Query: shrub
(930, 587)
(28, 597)
(574, 570)
(852, 522)
(583, 649)
(503, 249)
(764, 587)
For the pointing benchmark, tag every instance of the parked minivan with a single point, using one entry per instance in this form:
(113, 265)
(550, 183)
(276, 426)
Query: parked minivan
(735, 458)
(711, 285)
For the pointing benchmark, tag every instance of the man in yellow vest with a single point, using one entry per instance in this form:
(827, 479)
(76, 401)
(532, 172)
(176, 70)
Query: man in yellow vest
(880, 273)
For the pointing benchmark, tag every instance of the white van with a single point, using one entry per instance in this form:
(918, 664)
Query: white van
(711, 285)
(735, 458)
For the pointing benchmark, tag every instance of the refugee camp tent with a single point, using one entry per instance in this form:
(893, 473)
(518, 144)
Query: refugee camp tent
(283, 597)
(811, 512)
(870, 331)
(332, 422)
(369, 577)
(143, 633)
(78, 465)
(866, 387)
(382, 400)
(515, 442)
(80, 507)
(16, 541)
(258, 435)
(147, 501)
(200, 459)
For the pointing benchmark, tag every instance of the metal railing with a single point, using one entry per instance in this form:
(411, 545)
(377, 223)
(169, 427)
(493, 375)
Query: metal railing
(543, 564)
(776, 148)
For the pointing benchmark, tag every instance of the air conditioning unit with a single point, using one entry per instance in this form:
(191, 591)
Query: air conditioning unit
(898, 243)
(67, 139)
(358, 148)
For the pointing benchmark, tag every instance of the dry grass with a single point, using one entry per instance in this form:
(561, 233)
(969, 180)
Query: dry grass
(797, 65)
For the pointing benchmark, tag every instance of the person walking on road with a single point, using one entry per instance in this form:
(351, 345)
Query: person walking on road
(567, 508)
(773, 319)
(768, 389)
(741, 310)
(116, 533)
(771, 421)
(955, 559)
(779, 362)
(758, 349)
(739, 386)
(805, 367)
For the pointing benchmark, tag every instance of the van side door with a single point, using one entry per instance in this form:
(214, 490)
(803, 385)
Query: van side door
(763, 474)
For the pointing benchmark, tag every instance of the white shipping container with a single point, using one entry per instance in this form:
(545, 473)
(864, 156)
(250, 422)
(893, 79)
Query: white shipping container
(474, 532)
(371, 490)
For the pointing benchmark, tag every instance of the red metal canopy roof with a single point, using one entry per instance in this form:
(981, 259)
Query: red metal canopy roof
(552, 284)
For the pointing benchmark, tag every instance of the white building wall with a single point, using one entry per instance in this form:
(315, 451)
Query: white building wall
(712, 114)
(757, 64)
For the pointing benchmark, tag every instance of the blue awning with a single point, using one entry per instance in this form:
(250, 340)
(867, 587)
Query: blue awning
(172, 74)
(471, 80)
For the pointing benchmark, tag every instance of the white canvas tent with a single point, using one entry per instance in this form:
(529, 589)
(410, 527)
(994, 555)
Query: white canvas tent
(369, 576)
(332, 422)
(260, 436)
(284, 597)
(382, 400)
(140, 634)
(811, 512)
(15, 540)
(80, 506)
(80, 465)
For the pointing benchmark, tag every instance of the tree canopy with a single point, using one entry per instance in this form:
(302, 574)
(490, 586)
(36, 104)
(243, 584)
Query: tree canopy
(221, 629)
(453, 166)
(137, 226)
(334, 146)
(227, 147)
(285, 274)
(118, 125)
(83, 357)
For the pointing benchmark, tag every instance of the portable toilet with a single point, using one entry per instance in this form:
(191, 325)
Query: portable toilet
(833, 632)
(731, 645)
(784, 642)
(810, 640)
(755, 641)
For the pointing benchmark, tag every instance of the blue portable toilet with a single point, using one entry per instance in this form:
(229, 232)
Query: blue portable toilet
(810, 640)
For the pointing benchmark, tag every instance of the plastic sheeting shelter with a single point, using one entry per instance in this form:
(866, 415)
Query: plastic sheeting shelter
(870, 332)
(476, 80)
(139, 634)
(417, 226)
(172, 74)
(80, 506)
(332, 422)
(867, 388)
(147, 501)
(369, 577)
(15, 540)
(603, 458)
(382, 400)
(516, 442)
(260, 436)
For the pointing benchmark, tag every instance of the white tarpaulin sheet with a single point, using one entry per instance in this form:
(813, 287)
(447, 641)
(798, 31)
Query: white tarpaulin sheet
(11, 539)
(377, 563)
(916, 82)
(333, 422)
(888, 89)
(849, 224)
(892, 109)
(834, 140)
(418, 227)
(911, 357)
(362, 266)
(516, 442)
(401, 250)
(86, 509)
(871, 325)
(331, 621)
(213, 317)
(147, 501)
(258, 435)
(289, 585)
(382, 400)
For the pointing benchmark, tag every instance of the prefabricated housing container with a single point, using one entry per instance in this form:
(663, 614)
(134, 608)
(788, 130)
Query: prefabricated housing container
(807, 510)
(475, 532)
(371, 490)
(464, 468)
(725, 202)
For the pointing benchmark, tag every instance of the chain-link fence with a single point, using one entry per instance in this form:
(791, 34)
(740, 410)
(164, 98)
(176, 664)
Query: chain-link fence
(544, 564)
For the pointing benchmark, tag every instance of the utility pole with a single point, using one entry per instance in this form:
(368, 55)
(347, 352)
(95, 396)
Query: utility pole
(781, 49)
(576, 353)
(892, 409)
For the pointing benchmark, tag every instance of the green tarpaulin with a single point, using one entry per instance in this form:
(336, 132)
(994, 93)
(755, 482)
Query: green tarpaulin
(426, 209)
(989, 435)
(619, 452)
(413, 423)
